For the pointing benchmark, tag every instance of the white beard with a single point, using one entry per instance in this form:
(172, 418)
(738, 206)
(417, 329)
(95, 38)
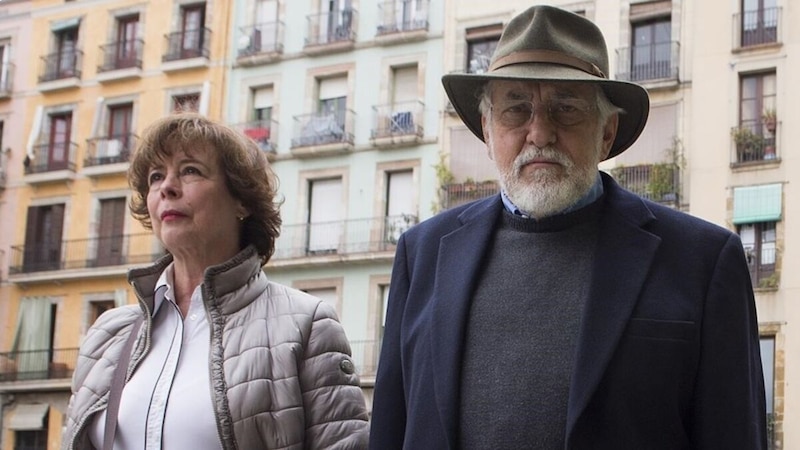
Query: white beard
(547, 191)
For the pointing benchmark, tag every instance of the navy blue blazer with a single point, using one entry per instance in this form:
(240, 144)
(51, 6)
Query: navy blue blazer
(668, 351)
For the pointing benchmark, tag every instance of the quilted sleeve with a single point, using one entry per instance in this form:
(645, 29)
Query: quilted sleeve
(335, 411)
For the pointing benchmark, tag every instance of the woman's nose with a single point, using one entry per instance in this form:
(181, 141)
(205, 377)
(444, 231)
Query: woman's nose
(170, 187)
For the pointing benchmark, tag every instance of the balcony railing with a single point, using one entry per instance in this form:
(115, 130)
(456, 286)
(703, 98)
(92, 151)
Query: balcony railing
(761, 262)
(398, 119)
(6, 78)
(365, 356)
(323, 128)
(331, 27)
(754, 141)
(396, 16)
(120, 250)
(649, 62)
(50, 364)
(656, 182)
(455, 194)
(52, 157)
(342, 237)
(121, 55)
(757, 27)
(58, 66)
(109, 150)
(261, 131)
(187, 44)
(263, 38)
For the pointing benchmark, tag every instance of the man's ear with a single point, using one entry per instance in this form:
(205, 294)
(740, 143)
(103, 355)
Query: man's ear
(609, 134)
(486, 139)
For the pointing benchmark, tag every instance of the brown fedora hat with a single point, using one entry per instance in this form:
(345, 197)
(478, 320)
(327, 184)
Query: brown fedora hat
(545, 43)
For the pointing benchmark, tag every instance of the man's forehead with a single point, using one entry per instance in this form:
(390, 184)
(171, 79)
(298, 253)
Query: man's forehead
(524, 89)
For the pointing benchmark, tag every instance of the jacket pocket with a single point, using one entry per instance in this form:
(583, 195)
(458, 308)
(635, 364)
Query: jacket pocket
(676, 330)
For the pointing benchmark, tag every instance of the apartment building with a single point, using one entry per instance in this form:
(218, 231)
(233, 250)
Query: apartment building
(345, 97)
(99, 73)
(717, 144)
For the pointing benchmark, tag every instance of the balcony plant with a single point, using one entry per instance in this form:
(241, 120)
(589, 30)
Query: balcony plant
(770, 120)
(748, 143)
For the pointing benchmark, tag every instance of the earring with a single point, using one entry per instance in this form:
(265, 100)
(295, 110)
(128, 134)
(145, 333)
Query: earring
(241, 218)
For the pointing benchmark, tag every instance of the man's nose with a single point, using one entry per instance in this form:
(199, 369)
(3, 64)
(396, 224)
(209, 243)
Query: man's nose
(541, 128)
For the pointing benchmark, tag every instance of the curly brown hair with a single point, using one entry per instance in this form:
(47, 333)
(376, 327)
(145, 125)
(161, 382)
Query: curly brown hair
(248, 176)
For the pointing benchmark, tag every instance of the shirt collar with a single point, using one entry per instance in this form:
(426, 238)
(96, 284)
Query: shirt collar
(593, 194)
(164, 280)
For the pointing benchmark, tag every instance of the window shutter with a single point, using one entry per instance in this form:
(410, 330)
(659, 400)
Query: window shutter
(332, 88)
(400, 199)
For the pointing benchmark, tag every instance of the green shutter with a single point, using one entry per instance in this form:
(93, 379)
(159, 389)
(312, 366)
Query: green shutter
(757, 203)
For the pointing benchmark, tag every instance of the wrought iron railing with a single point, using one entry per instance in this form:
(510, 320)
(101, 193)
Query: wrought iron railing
(57, 66)
(402, 15)
(119, 250)
(262, 132)
(342, 237)
(262, 38)
(121, 55)
(331, 27)
(757, 27)
(187, 44)
(398, 119)
(755, 141)
(323, 128)
(455, 194)
(31, 365)
(649, 62)
(109, 150)
(365, 356)
(52, 157)
(657, 182)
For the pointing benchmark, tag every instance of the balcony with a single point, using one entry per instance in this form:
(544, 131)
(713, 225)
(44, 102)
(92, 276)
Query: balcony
(340, 241)
(656, 182)
(649, 63)
(402, 21)
(35, 365)
(261, 131)
(60, 71)
(757, 28)
(108, 155)
(397, 124)
(331, 32)
(121, 60)
(755, 143)
(323, 134)
(186, 49)
(52, 162)
(761, 263)
(260, 44)
(365, 357)
(455, 194)
(6, 79)
(81, 258)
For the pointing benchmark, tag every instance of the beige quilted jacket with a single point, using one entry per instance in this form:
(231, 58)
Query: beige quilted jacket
(311, 400)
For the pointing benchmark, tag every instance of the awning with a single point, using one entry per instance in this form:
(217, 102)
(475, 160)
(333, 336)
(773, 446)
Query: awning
(28, 416)
(66, 24)
(753, 204)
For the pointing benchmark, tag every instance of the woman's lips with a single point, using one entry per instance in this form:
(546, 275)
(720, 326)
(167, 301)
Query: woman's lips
(171, 215)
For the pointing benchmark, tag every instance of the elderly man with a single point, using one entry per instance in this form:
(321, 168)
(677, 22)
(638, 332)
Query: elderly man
(565, 312)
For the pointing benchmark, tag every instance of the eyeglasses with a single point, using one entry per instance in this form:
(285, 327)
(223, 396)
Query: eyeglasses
(564, 112)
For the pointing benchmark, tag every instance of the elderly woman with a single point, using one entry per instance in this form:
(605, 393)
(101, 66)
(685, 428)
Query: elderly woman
(224, 358)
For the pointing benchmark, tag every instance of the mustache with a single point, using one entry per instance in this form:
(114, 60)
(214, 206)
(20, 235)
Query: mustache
(531, 153)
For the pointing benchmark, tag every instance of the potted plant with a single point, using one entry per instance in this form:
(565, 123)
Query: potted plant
(770, 120)
(748, 143)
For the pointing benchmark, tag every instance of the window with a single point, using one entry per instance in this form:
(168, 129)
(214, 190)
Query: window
(336, 22)
(756, 210)
(260, 127)
(651, 50)
(405, 104)
(754, 136)
(58, 147)
(66, 53)
(110, 231)
(117, 146)
(126, 51)
(262, 104)
(43, 238)
(265, 32)
(327, 295)
(186, 103)
(5, 68)
(759, 22)
(325, 216)
(192, 30)
(97, 308)
(33, 338)
(400, 211)
(333, 99)
(481, 43)
(758, 240)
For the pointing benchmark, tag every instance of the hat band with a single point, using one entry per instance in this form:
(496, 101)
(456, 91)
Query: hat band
(546, 56)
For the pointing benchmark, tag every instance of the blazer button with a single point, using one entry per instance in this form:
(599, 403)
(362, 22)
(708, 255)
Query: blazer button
(347, 366)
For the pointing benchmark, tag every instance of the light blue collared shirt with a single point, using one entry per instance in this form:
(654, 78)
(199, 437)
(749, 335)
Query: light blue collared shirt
(594, 193)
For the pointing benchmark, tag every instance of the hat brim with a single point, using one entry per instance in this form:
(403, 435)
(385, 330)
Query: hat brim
(464, 91)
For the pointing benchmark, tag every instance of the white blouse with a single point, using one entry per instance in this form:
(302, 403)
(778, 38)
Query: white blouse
(167, 402)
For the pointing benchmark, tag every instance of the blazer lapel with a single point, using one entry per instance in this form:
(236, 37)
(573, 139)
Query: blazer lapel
(460, 258)
(624, 255)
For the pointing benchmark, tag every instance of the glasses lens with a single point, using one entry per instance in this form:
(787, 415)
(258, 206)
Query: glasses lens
(566, 112)
(569, 112)
(514, 114)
